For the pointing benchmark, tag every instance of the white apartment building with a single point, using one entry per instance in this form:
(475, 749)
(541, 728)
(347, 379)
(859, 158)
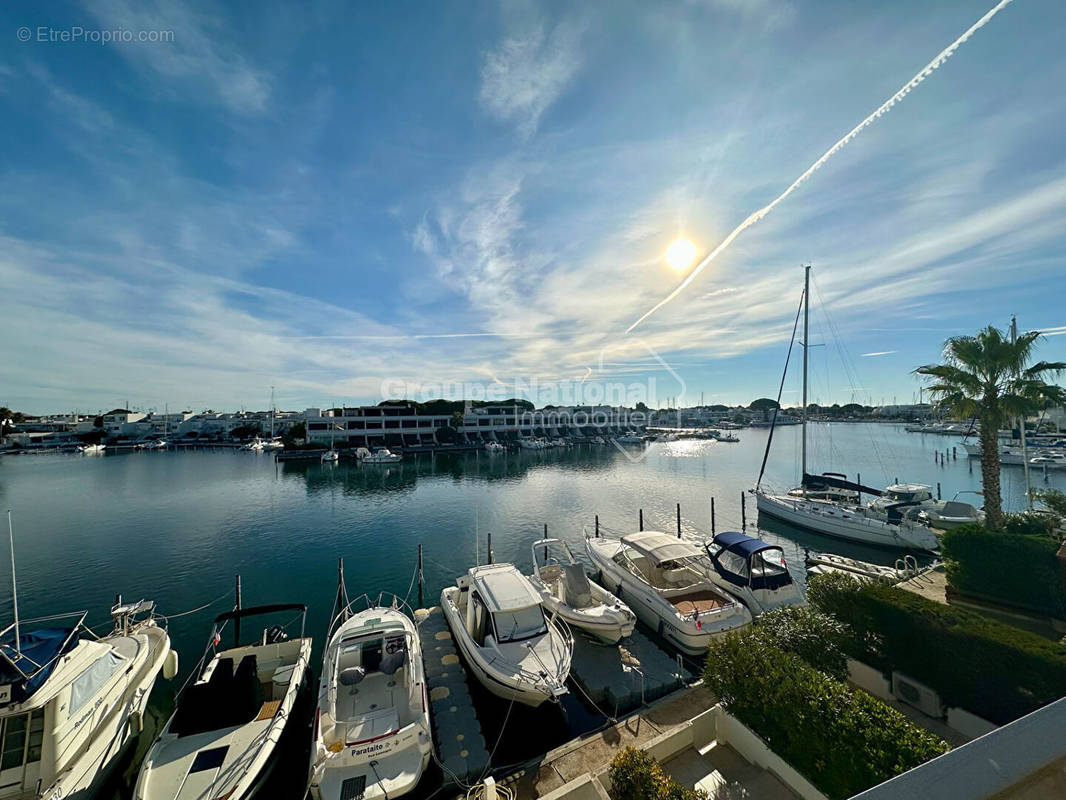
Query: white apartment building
(374, 426)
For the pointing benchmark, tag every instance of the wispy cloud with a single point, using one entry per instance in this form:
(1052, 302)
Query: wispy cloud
(881, 353)
(197, 58)
(525, 74)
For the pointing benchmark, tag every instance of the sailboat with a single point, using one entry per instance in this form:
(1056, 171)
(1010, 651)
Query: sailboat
(887, 527)
(331, 456)
(274, 442)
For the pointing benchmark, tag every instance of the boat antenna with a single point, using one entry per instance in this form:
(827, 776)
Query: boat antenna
(14, 585)
(477, 545)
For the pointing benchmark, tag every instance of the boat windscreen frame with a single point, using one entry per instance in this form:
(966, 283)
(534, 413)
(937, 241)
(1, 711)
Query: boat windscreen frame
(238, 614)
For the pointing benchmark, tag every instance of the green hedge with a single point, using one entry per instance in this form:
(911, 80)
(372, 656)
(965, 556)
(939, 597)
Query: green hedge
(844, 741)
(635, 775)
(991, 669)
(1020, 571)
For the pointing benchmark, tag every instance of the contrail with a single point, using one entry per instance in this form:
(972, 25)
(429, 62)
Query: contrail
(762, 212)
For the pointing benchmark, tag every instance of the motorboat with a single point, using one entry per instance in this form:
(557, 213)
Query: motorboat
(730, 438)
(665, 580)
(91, 449)
(753, 570)
(629, 437)
(1050, 460)
(531, 444)
(382, 455)
(256, 445)
(493, 447)
(152, 444)
(497, 618)
(274, 443)
(372, 735)
(948, 514)
(71, 702)
(330, 456)
(567, 593)
(221, 739)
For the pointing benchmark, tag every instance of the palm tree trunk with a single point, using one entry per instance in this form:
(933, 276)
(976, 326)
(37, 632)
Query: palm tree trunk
(990, 470)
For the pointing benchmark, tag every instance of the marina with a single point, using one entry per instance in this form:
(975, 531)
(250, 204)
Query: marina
(305, 514)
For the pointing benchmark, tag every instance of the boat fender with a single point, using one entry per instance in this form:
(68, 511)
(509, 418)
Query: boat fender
(662, 627)
(135, 722)
(170, 665)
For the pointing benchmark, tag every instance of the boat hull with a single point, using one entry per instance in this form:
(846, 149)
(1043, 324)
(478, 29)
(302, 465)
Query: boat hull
(690, 636)
(839, 522)
(499, 684)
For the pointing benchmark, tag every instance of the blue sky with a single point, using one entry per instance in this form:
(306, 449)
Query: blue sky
(325, 199)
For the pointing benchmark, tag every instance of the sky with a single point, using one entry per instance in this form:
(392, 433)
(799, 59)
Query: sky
(355, 201)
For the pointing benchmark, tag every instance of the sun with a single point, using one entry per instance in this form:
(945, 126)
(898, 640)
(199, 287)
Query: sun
(681, 254)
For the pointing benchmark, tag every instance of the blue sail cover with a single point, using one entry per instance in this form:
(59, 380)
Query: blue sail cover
(27, 671)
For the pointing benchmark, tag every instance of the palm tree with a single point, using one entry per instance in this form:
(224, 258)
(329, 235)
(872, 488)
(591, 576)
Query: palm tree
(986, 377)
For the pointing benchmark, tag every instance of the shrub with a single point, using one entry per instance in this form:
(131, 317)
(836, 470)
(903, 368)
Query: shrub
(817, 638)
(635, 775)
(1009, 568)
(983, 666)
(844, 741)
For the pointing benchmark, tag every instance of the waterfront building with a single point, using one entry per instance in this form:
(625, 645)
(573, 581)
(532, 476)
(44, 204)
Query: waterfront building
(374, 426)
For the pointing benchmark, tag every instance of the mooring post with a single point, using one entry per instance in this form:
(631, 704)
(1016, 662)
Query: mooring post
(938, 490)
(858, 482)
(712, 516)
(597, 526)
(421, 577)
(237, 621)
(545, 530)
(954, 453)
(641, 512)
(743, 512)
(490, 547)
(678, 520)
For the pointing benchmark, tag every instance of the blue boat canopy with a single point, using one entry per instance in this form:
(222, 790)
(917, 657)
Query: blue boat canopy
(27, 668)
(748, 562)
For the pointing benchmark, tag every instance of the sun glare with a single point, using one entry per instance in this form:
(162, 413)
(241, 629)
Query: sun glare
(680, 254)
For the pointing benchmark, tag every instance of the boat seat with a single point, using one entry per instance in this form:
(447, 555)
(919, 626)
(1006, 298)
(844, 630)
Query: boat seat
(246, 695)
(393, 661)
(199, 708)
(351, 676)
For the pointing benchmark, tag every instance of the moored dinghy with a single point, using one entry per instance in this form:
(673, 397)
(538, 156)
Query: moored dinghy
(666, 582)
(372, 735)
(221, 739)
(567, 591)
(498, 621)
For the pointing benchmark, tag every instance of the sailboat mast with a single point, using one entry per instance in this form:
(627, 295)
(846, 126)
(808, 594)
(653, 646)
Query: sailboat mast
(1021, 426)
(271, 413)
(14, 584)
(806, 328)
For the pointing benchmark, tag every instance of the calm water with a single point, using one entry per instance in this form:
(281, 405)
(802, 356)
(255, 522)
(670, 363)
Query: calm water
(177, 526)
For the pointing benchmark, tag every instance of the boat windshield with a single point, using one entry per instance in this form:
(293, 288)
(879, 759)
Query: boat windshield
(523, 623)
(768, 563)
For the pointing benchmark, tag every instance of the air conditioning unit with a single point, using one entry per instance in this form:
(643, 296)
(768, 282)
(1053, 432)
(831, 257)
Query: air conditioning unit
(909, 691)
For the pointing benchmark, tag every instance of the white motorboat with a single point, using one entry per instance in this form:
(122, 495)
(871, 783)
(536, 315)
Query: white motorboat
(730, 438)
(273, 444)
(70, 702)
(497, 618)
(1050, 460)
(256, 445)
(382, 455)
(948, 514)
(629, 437)
(493, 447)
(372, 736)
(330, 456)
(91, 449)
(666, 582)
(221, 739)
(567, 592)
(753, 570)
(153, 444)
